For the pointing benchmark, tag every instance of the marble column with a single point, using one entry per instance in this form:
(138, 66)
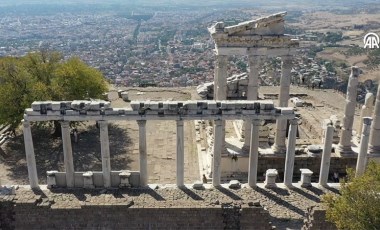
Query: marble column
(143, 153)
(218, 146)
(105, 152)
(67, 153)
(326, 155)
(253, 153)
(30, 157)
(344, 146)
(290, 153)
(283, 98)
(220, 78)
(374, 140)
(367, 110)
(220, 85)
(252, 91)
(363, 149)
(180, 154)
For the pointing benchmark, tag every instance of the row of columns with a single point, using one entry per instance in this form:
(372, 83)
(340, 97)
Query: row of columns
(220, 92)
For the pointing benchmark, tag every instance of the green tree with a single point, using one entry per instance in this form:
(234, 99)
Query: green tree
(44, 76)
(358, 205)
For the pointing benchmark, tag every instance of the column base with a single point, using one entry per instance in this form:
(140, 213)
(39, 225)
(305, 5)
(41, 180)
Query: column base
(345, 151)
(374, 150)
(279, 149)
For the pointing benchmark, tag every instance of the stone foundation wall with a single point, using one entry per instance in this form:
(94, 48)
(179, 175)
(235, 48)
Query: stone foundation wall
(316, 219)
(337, 164)
(41, 214)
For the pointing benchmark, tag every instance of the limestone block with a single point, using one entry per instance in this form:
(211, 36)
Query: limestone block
(88, 181)
(212, 105)
(65, 105)
(119, 92)
(135, 105)
(227, 105)
(287, 110)
(53, 113)
(228, 112)
(153, 105)
(124, 179)
(51, 182)
(124, 96)
(93, 113)
(198, 185)
(172, 105)
(111, 112)
(202, 105)
(266, 105)
(120, 111)
(234, 184)
(306, 177)
(32, 112)
(270, 178)
(80, 105)
(55, 105)
(36, 106)
(72, 112)
(191, 105)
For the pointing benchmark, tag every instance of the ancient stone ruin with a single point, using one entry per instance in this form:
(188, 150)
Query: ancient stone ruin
(266, 172)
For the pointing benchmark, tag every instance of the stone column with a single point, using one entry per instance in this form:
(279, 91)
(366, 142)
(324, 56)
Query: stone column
(252, 91)
(367, 110)
(283, 98)
(220, 84)
(253, 153)
(180, 153)
(326, 155)
(67, 153)
(290, 153)
(143, 153)
(344, 146)
(30, 158)
(374, 141)
(363, 150)
(220, 78)
(218, 145)
(105, 152)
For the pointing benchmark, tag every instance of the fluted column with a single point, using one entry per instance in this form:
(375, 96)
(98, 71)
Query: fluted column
(283, 98)
(180, 153)
(363, 150)
(374, 141)
(105, 152)
(143, 153)
(252, 91)
(367, 110)
(253, 153)
(344, 146)
(218, 145)
(290, 153)
(30, 157)
(67, 153)
(326, 156)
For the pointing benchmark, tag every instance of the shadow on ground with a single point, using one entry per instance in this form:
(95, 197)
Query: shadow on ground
(49, 152)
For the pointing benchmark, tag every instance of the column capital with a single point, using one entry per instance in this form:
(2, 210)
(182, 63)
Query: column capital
(218, 122)
(179, 122)
(65, 124)
(102, 122)
(294, 121)
(367, 120)
(25, 123)
(287, 61)
(256, 122)
(141, 122)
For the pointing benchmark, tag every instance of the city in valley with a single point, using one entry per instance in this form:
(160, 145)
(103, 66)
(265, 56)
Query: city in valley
(216, 114)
